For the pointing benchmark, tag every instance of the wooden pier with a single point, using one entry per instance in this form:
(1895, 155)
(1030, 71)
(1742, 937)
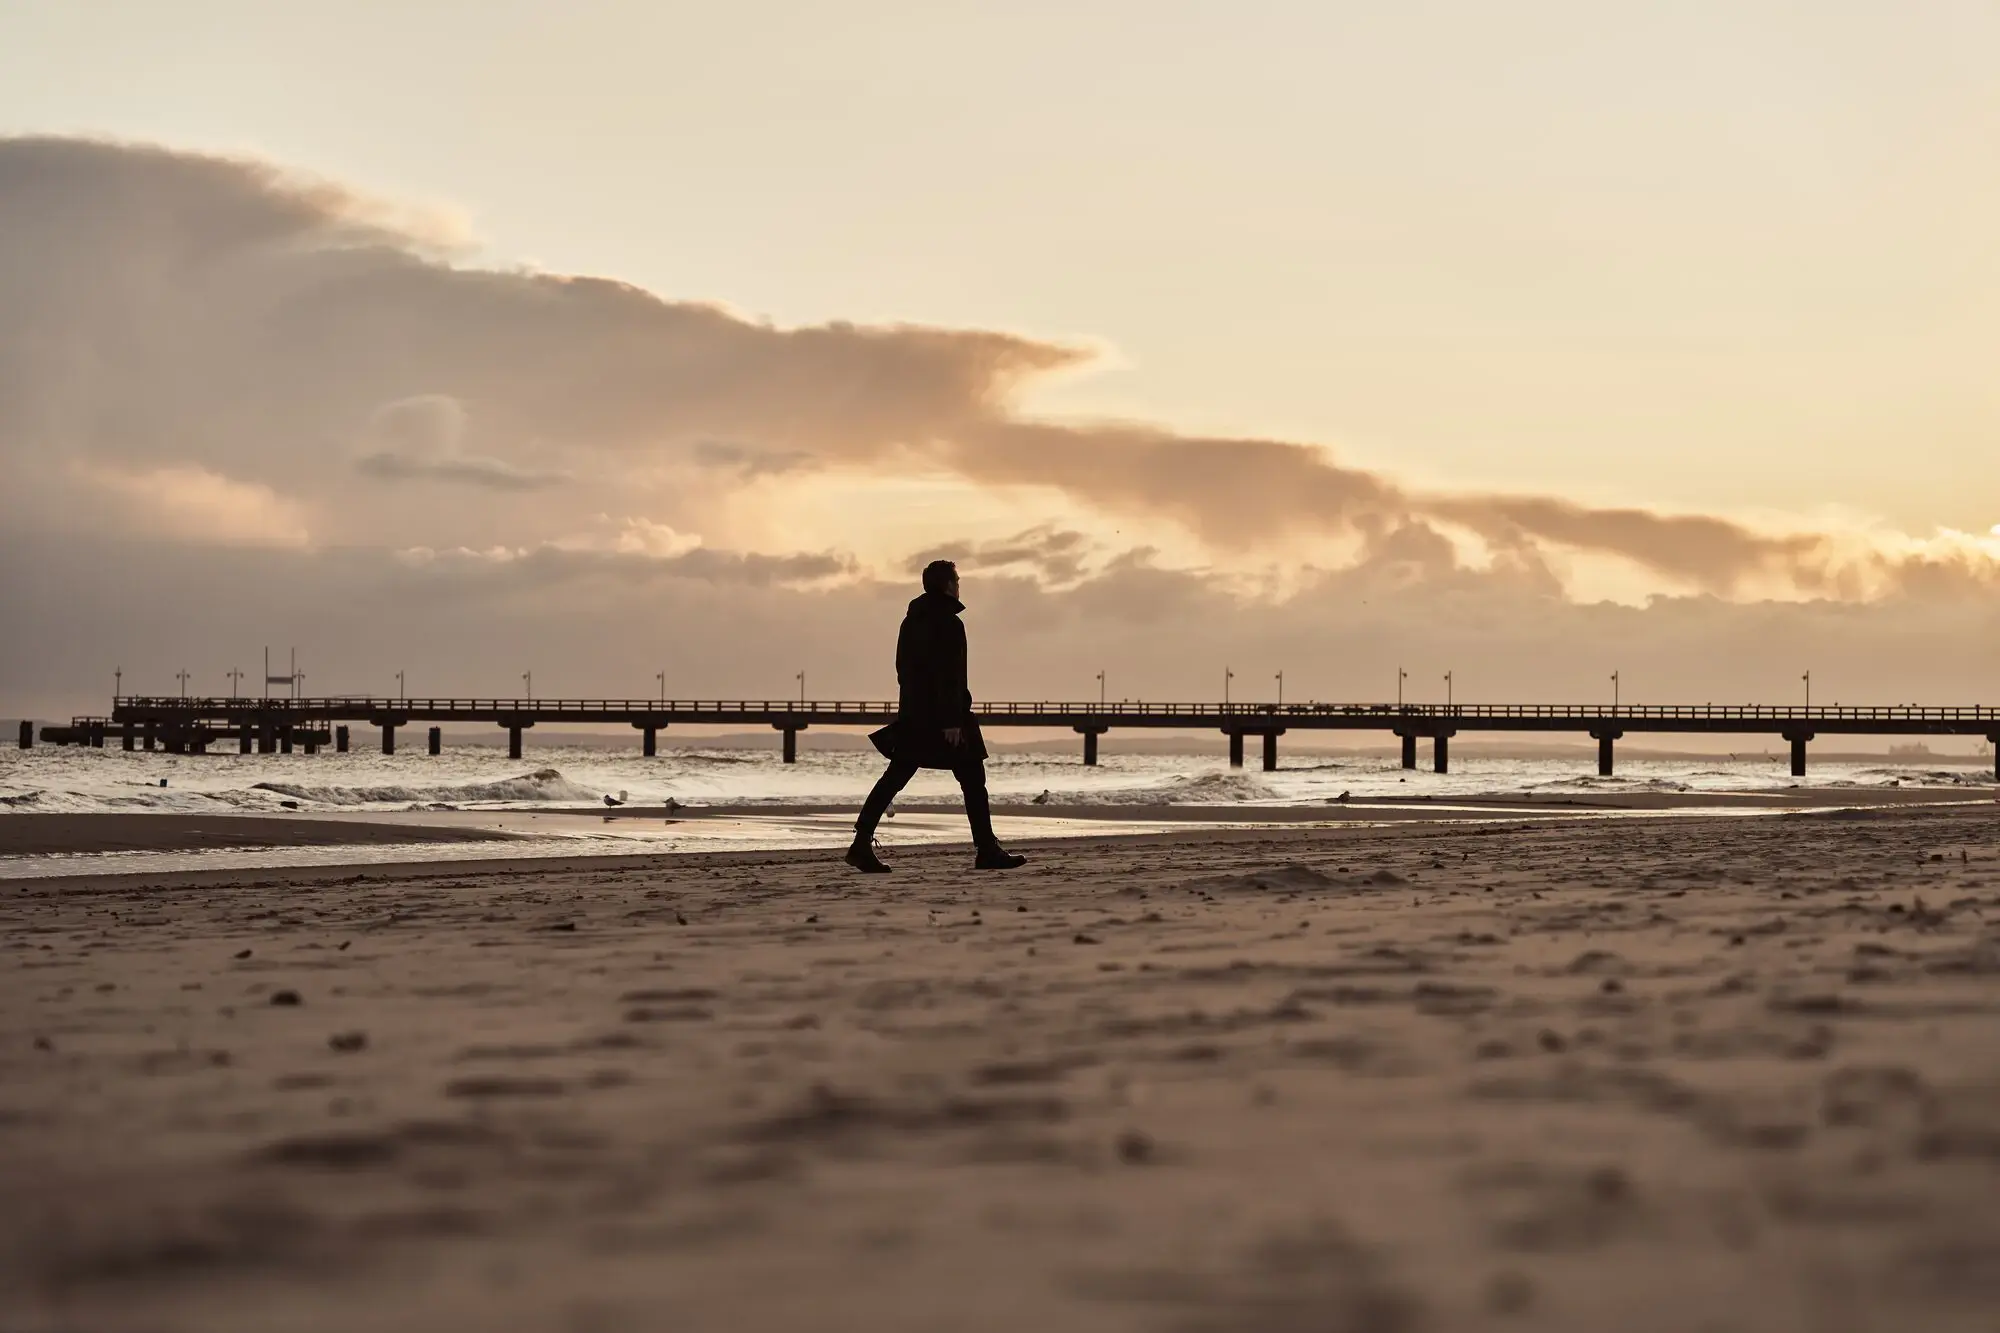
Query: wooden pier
(192, 725)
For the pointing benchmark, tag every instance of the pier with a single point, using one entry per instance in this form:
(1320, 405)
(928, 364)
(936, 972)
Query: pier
(192, 725)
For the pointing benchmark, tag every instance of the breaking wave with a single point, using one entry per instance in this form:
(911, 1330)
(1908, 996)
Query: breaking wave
(542, 787)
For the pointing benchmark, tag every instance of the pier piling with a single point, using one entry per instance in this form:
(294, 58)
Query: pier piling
(1409, 749)
(437, 740)
(28, 734)
(514, 742)
(791, 732)
(649, 743)
(1090, 735)
(1798, 740)
(1236, 749)
(388, 738)
(1441, 753)
(340, 740)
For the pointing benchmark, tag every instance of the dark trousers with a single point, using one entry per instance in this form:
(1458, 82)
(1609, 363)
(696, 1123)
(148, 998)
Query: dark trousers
(971, 775)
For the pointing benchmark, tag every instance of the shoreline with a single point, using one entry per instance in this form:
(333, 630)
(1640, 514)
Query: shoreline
(42, 847)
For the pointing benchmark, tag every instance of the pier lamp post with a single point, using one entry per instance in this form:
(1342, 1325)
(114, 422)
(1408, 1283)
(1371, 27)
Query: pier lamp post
(528, 683)
(1447, 691)
(182, 677)
(1401, 676)
(661, 676)
(802, 689)
(1100, 690)
(1281, 689)
(1807, 678)
(402, 691)
(1614, 691)
(235, 675)
(117, 684)
(1227, 676)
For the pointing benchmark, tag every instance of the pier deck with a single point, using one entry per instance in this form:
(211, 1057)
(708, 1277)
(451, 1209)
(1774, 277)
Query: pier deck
(192, 724)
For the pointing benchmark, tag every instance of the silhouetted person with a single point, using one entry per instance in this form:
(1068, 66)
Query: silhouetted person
(934, 727)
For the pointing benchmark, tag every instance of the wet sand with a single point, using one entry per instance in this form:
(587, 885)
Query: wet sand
(1697, 1072)
(50, 834)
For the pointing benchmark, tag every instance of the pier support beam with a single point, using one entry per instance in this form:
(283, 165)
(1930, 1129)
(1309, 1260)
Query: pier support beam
(1994, 739)
(340, 740)
(649, 736)
(1409, 751)
(267, 738)
(1090, 735)
(151, 737)
(388, 738)
(243, 739)
(1441, 753)
(285, 743)
(513, 742)
(127, 737)
(1236, 749)
(312, 742)
(1798, 740)
(28, 735)
(1604, 741)
(437, 740)
(791, 732)
(1270, 752)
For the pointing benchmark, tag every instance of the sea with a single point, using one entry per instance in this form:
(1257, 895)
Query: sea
(528, 794)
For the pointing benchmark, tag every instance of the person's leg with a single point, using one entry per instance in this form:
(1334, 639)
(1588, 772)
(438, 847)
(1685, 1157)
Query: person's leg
(896, 777)
(971, 776)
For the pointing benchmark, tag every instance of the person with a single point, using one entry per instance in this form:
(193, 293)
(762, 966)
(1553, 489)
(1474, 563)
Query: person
(934, 726)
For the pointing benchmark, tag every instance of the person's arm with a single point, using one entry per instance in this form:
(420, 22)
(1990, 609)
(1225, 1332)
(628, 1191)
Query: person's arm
(954, 696)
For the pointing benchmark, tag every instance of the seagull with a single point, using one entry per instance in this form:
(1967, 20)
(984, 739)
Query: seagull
(1043, 799)
(615, 801)
(1343, 796)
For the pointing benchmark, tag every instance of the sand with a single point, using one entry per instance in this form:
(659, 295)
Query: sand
(46, 834)
(1677, 1073)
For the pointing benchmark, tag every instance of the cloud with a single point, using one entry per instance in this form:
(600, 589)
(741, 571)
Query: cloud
(160, 308)
(422, 438)
(194, 504)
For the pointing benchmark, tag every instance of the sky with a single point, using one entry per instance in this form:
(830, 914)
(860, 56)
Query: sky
(1529, 342)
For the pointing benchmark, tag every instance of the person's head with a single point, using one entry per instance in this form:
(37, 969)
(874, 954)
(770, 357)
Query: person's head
(941, 576)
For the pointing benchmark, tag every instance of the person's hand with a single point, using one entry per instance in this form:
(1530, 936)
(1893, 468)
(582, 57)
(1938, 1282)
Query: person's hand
(954, 736)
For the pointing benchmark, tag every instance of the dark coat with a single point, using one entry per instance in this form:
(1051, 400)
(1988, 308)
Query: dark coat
(932, 689)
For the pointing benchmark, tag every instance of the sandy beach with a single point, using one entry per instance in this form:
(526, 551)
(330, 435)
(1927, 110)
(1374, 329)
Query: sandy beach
(1699, 1072)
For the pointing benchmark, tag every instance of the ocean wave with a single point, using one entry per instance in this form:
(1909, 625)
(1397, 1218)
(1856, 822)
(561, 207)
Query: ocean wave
(1587, 782)
(543, 786)
(1181, 789)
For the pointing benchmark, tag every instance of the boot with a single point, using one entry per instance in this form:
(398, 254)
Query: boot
(996, 857)
(862, 857)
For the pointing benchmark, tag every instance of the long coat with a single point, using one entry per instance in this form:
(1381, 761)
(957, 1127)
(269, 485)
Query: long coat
(932, 689)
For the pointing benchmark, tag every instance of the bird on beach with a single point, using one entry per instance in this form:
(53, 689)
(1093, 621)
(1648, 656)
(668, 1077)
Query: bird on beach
(615, 801)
